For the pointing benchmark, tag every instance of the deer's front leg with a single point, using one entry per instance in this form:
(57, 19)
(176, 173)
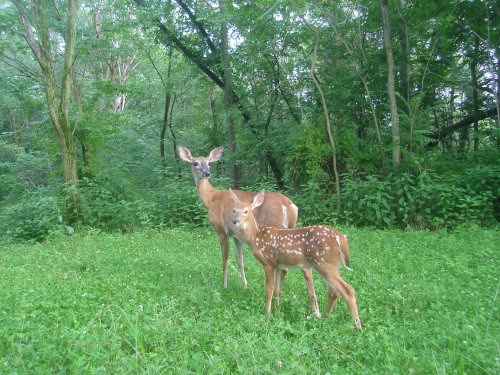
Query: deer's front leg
(239, 258)
(270, 277)
(224, 245)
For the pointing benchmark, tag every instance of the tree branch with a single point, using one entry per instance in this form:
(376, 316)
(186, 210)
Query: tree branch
(29, 35)
(191, 55)
(201, 29)
(280, 87)
(443, 133)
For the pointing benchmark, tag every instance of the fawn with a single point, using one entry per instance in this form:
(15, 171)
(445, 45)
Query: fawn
(320, 247)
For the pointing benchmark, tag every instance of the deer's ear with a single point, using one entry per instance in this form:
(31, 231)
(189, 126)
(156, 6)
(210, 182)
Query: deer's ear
(234, 197)
(185, 154)
(215, 154)
(258, 199)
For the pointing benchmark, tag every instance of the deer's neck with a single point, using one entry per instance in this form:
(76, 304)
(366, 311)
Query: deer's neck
(251, 233)
(205, 191)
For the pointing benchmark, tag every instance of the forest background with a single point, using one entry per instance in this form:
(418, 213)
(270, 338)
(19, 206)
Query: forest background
(381, 114)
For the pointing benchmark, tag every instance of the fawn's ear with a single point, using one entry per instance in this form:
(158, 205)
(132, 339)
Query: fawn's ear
(185, 154)
(234, 197)
(258, 199)
(215, 154)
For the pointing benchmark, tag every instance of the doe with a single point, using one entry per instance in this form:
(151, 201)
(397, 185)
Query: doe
(320, 247)
(277, 210)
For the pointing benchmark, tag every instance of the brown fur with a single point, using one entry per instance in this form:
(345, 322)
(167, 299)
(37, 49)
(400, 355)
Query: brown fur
(320, 247)
(219, 204)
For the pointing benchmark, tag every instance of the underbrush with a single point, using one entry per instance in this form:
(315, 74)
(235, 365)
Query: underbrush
(423, 201)
(152, 302)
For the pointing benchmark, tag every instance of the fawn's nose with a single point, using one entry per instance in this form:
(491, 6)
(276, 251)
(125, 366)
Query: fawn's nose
(206, 173)
(235, 222)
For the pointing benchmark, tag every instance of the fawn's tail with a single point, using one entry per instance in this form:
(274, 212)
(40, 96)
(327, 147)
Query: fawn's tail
(344, 250)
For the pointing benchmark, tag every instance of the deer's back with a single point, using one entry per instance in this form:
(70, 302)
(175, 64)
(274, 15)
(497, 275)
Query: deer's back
(277, 210)
(303, 247)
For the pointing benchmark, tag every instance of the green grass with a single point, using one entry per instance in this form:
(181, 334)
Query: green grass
(152, 302)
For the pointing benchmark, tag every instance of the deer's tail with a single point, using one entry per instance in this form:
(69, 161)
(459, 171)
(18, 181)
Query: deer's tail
(344, 249)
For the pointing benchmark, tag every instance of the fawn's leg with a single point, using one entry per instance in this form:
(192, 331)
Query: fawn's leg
(239, 258)
(308, 277)
(346, 291)
(278, 283)
(270, 277)
(333, 296)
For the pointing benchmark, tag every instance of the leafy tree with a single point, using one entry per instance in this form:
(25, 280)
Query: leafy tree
(44, 50)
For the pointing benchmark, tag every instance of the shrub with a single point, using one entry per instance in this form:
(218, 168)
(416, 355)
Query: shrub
(423, 201)
(32, 217)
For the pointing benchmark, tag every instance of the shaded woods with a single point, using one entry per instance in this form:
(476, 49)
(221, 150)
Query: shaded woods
(380, 114)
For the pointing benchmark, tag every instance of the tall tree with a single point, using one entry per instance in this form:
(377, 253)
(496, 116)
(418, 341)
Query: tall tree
(198, 36)
(327, 116)
(475, 97)
(396, 138)
(228, 93)
(41, 45)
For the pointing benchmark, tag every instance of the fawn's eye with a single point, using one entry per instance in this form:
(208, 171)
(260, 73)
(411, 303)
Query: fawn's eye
(234, 211)
(196, 163)
(245, 212)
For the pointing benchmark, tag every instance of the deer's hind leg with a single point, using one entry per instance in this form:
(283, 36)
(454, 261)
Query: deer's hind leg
(308, 277)
(347, 292)
(333, 296)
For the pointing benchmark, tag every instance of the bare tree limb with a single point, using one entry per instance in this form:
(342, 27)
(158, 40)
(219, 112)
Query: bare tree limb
(443, 133)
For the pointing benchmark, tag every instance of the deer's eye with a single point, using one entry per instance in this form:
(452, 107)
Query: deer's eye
(196, 163)
(245, 212)
(208, 163)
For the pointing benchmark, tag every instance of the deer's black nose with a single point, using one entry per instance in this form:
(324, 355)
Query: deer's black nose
(235, 222)
(206, 173)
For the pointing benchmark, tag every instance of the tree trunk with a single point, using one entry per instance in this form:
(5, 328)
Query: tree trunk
(228, 98)
(215, 121)
(404, 66)
(163, 129)
(86, 172)
(327, 119)
(396, 140)
(475, 99)
(363, 77)
(174, 137)
(270, 159)
(58, 112)
(497, 102)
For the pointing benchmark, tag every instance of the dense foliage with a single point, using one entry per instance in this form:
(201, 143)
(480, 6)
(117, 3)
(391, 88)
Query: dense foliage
(152, 74)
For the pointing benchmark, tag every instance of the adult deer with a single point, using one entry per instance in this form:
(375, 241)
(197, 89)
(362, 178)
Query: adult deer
(320, 247)
(277, 210)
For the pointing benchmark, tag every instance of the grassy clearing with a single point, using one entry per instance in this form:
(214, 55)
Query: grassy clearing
(152, 302)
